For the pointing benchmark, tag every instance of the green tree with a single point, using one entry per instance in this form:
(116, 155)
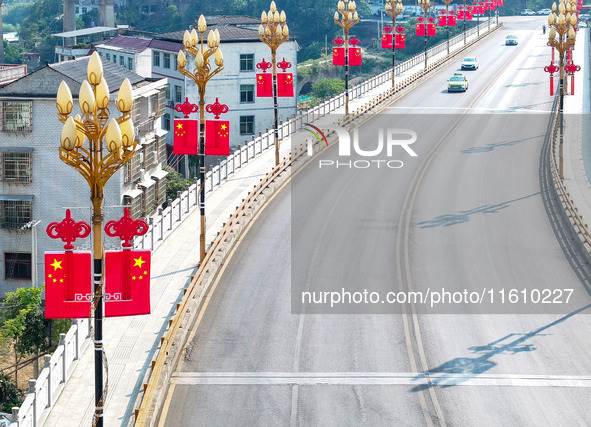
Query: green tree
(325, 88)
(175, 182)
(10, 395)
(24, 327)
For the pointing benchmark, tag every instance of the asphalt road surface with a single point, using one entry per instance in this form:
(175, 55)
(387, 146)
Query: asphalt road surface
(470, 214)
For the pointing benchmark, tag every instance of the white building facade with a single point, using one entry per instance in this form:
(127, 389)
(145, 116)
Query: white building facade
(36, 187)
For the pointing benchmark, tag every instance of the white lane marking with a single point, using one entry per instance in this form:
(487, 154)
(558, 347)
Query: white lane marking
(377, 378)
(455, 110)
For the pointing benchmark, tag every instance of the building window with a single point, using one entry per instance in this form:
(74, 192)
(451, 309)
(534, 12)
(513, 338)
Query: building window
(16, 166)
(114, 58)
(166, 122)
(178, 94)
(15, 213)
(101, 54)
(167, 90)
(77, 10)
(246, 62)
(108, 56)
(130, 64)
(167, 60)
(246, 125)
(16, 116)
(156, 59)
(17, 266)
(246, 93)
(84, 10)
(176, 62)
(122, 61)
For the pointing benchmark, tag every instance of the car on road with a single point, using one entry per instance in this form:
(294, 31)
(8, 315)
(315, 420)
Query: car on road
(469, 63)
(543, 12)
(457, 83)
(511, 40)
(527, 12)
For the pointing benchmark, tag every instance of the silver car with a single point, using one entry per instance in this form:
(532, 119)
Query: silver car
(470, 63)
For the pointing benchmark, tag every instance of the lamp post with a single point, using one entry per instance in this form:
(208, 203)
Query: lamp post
(425, 5)
(447, 3)
(464, 20)
(110, 146)
(202, 73)
(345, 17)
(273, 31)
(394, 8)
(562, 38)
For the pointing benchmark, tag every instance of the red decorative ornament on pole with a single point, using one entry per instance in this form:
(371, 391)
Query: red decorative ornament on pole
(217, 132)
(338, 53)
(186, 131)
(571, 69)
(284, 80)
(399, 38)
(354, 52)
(68, 275)
(552, 68)
(387, 38)
(127, 272)
(264, 80)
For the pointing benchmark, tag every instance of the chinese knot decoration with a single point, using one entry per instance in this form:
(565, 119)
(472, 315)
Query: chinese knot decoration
(126, 228)
(339, 56)
(571, 69)
(68, 230)
(265, 81)
(216, 108)
(552, 68)
(264, 65)
(186, 108)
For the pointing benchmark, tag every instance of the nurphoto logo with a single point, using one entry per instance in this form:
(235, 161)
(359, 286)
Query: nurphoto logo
(372, 153)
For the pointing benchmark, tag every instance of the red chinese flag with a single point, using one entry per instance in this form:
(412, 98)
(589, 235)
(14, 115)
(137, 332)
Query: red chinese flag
(185, 136)
(420, 29)
(431, 29)
(460, 14)
(355, 56)
(285, 84)
(400, 41)
(442, 20)
(500, 3)
(386, 41)
(264, 85)
(451, 20)
(469, 15)
(338, 56)
(217, 138)
(127, 283)
(481, 10)
(68, 284)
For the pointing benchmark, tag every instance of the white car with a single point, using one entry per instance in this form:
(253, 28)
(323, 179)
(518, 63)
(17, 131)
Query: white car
(470, 63)
(527, 12)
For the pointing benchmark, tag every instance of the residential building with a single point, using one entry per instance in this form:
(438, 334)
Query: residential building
(35, 185)
(10, 73)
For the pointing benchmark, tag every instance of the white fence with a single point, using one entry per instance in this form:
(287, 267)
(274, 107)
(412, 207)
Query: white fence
(44, 391)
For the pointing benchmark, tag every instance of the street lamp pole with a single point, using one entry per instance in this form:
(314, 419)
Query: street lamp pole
(562, 38)
(464, 16)
(394, 11)
(425, 5)
(345, 17)
(201, 75)
(273, 31)
(447, 3)
(110, 146)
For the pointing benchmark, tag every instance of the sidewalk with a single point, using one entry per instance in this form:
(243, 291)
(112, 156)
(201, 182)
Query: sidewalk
(131, 342)
(577, 131)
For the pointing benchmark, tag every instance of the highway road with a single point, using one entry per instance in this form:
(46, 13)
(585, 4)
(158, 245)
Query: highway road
(470, 214)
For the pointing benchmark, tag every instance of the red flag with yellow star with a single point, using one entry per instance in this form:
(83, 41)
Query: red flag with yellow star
(285, 84)
(68, 284)
(185, 136)
(386, 41)
(338, 56)
(127, 283)
(264, 85)
(354, 56)
(217, 138)
(399, 41)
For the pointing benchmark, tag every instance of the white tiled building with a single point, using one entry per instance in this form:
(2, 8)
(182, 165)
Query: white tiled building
(35, 185)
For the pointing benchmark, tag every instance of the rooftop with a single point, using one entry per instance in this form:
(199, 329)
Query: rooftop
(132, 44)
(228, 34)
(45, 81)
